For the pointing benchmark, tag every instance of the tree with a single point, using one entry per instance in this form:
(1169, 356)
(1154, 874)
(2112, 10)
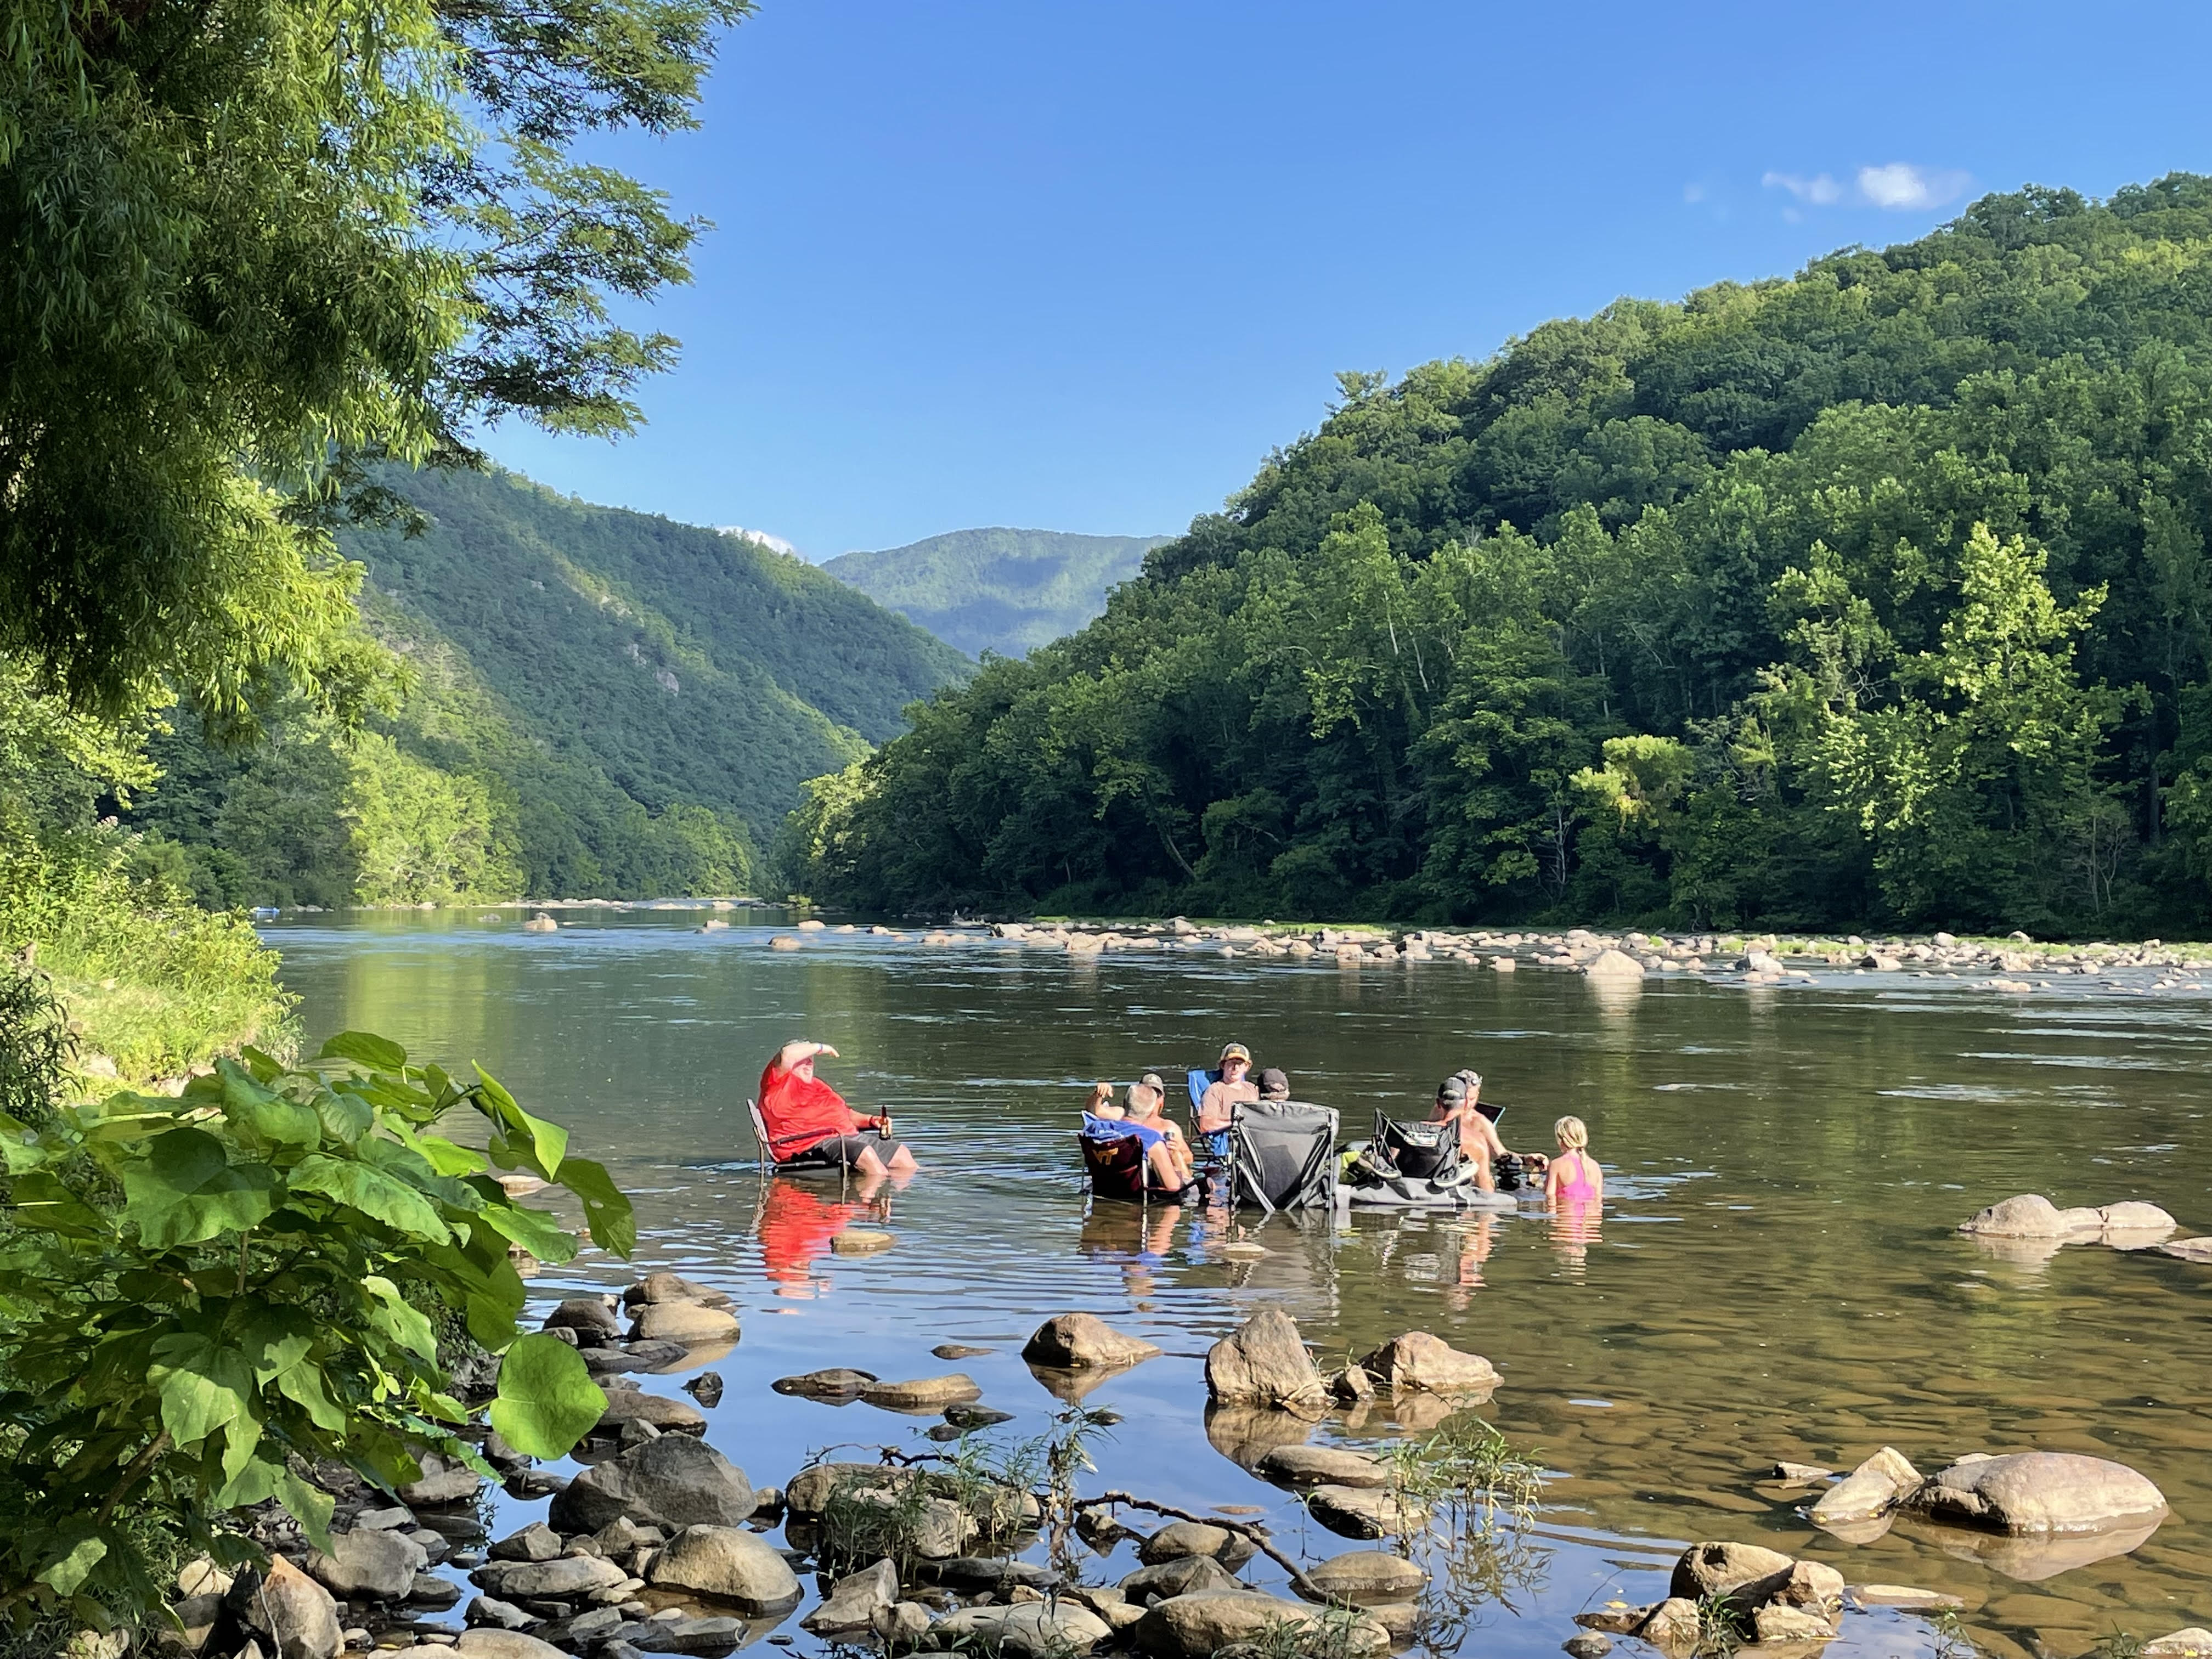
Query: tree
(251, 249)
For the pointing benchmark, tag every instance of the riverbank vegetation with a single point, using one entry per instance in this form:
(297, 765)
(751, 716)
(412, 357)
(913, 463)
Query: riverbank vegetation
(1874, 596)
(206, 1299)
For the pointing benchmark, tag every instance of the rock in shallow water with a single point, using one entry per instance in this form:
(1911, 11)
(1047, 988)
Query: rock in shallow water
(2038, 1492)
(1184, 1576)
(1418, 1361)
(729, 1563)
(1362, 1512)
(1309, 1465)
(669, 1482)
(922, 1394)
(1264, 1363)
(1030, 1630)
(369, 1566)
(1868, 1491)
(1197, 1626)
(853, 1602)
(1360, 1574)
(1077, 1340)
(1185, 1538)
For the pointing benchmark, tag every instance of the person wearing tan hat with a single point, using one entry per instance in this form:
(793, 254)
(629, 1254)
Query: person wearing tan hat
(1218, 1105)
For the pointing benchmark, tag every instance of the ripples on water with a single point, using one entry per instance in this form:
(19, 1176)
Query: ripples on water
(1776, 1276)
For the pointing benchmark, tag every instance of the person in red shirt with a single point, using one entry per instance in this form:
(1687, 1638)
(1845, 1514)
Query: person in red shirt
(809, 1125)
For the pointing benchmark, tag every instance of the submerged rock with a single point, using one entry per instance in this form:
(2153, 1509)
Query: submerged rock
(1363, 1512)
(1362, 1574)
(922, 1394)
(1183, 1576)
(2031, 1215)
(2038, 1492)
(1313, 1466)
(1906, 1598)
(1200, 1625)
(838, 1382)
(1264, 1363)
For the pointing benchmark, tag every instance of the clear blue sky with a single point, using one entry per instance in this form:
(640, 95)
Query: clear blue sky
(1081, 266)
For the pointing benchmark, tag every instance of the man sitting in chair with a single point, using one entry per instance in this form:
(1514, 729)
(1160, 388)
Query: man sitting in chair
(810, 1125)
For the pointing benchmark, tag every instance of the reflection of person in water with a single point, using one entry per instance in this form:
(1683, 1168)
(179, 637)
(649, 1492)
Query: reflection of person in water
(796, 1225)
(1140, 1236)
(1477, 1239)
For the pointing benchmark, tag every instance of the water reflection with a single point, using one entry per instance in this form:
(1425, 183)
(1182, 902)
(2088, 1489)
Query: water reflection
(1777, 1276)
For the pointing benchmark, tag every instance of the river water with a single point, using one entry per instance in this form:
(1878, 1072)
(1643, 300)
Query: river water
(1777, 1274)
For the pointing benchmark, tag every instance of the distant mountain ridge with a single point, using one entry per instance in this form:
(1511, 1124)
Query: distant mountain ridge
(687, 664)
(1002, 590)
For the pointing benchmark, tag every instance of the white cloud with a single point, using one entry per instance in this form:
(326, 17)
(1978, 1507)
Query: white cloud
(1820, 190)
(1902, 187)
(1694, 194)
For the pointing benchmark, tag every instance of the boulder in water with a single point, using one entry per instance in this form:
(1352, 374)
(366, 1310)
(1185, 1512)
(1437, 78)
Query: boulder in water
(2038, 1492)
(1077, 1340)
(1264, 1363)
(1421, 1362)
(728, 1564)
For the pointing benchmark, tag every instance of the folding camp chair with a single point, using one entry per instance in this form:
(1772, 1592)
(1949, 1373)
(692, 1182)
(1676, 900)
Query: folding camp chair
(1282, 1155)
(768, 1163)
(1116, 1154)
(1420, 1152)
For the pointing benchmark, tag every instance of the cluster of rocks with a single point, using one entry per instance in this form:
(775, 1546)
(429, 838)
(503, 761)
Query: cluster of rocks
(663, 1320)
(1725, 1595)
(2030, 1228)
(2015, 1493)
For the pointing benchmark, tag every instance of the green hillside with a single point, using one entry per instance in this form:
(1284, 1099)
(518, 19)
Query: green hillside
(602, 702)
(1879, 594)
(1007, 591)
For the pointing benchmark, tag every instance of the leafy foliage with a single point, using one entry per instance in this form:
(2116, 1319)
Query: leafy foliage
(202, 1297)
(1875, 594)
(1007, 591)
(252, 251)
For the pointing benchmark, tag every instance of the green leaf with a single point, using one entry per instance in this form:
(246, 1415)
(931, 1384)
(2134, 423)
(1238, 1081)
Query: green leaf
(261, 1113)
(547, 1401)
(41, 1200)
(373, 1193)
(524, 1140)
(392, 1315)
(607, 1212)
(204, 1385)
(74, 1566)
(366, 1048)
(185, 1189)
(345, 1118)
(303, 1384)
(535, 1231)
(311, 1506)
(444, 1156)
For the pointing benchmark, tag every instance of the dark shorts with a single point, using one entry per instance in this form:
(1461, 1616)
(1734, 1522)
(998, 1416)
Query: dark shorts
(843, 1152)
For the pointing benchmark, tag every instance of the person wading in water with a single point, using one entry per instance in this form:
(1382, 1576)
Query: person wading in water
(810, 1125)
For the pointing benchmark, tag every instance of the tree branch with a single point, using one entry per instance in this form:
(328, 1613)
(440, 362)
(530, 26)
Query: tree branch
(1255, 1535)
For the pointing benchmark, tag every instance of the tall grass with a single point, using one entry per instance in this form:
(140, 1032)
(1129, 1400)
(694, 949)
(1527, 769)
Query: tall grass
(149, 980)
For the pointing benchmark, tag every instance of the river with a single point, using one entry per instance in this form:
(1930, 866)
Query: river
(1777, 1275)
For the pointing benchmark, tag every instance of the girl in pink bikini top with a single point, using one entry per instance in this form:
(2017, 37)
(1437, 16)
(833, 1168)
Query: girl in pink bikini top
(1574, 1175)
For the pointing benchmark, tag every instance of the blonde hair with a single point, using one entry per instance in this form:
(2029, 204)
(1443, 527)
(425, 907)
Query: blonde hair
(1573, 1134)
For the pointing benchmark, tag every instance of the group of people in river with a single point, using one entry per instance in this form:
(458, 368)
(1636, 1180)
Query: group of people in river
(1571, 1173)
(805, 1123)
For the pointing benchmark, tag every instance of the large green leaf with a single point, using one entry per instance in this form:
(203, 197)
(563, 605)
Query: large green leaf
(547, 1401)
(311, 1506)
(390, 1314)
(535, 1231)
(346, 1118)
(74, 1564)
(261, 1113)
(204, 1385)
(520, 1137)
(186, 1189)
(371, 1192)
(379, 1054)
(607, 1212)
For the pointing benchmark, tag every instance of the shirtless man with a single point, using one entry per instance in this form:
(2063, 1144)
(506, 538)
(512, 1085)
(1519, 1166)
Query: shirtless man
(1478, 1144)
(809, 1123)
(1218, 1105)
(1171, 1153)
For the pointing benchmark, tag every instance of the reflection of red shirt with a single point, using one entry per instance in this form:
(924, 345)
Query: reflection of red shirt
(799, 1112)
(797, 1226)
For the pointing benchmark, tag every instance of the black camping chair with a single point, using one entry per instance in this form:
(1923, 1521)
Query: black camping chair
(1282, 1155)
(1420, 1152)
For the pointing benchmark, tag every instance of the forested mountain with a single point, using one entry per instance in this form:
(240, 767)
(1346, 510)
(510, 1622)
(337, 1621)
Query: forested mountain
(1007, 591)
(601, 702)
(1877, 593)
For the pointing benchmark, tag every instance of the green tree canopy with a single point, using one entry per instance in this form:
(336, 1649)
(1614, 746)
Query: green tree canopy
(252, 248)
